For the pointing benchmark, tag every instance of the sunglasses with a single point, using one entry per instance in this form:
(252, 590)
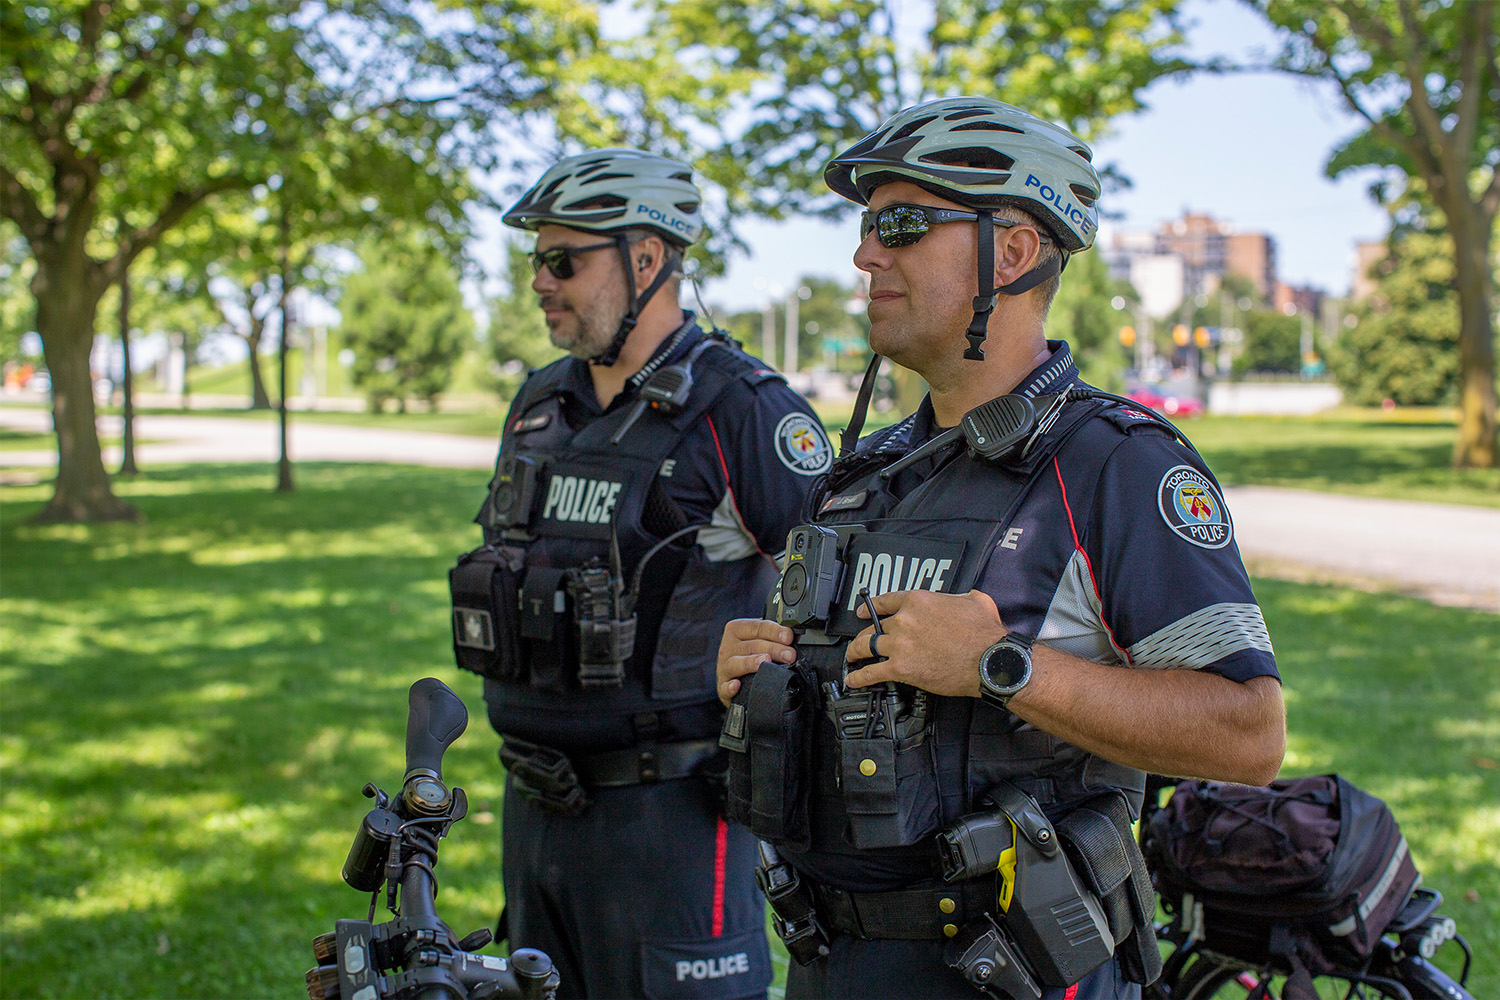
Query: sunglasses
(902, 225)
(559, 260)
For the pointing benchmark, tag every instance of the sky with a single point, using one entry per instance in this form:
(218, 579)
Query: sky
(1248, 150)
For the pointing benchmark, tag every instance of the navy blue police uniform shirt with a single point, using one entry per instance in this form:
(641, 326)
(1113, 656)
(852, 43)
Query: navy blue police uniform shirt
(1141, 564)
(743, 470)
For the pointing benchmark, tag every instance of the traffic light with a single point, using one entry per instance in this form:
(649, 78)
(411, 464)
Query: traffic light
(1180, 335)
(1200, 336)
(1127, 336)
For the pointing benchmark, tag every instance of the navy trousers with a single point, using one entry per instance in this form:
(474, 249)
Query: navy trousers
(648, 894)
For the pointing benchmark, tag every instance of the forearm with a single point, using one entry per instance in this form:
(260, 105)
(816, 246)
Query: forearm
(1185, 723)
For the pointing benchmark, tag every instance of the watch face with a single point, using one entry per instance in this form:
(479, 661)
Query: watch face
(1005, 668)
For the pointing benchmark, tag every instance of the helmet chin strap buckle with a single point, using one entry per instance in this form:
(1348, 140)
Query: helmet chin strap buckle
(984, 302)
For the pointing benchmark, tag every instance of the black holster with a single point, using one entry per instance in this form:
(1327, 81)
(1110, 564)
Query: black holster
(1098, 838)
(543, 775)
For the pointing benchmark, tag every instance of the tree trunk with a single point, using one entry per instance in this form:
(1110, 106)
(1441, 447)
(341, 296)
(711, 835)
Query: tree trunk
(1478, 445)
(127, 442)
(67, 303)
(259, 398)
(284, 464)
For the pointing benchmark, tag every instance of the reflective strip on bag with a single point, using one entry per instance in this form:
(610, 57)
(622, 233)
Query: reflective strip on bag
(1346, 926)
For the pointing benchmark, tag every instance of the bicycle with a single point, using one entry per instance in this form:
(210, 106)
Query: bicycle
(415, 955)
(1399, 968)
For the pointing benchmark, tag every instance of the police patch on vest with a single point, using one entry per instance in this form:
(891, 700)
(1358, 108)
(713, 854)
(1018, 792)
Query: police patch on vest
(802, 446)
(580, 499)
(884, 563)
(1193, 509)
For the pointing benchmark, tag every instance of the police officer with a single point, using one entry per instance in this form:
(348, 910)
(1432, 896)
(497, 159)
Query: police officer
(644, 485)
(1060, 607)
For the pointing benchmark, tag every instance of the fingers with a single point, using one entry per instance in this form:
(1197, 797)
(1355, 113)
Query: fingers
(746, 644)
(887, 604)
(757, 628)
(875, 673)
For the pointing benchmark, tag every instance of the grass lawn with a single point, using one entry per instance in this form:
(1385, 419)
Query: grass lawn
(189, 707)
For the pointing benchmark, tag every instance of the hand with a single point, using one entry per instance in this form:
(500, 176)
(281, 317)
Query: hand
(747, 643)
(930, 641)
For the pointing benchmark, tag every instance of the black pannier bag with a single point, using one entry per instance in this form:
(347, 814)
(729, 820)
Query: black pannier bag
(1299, 876)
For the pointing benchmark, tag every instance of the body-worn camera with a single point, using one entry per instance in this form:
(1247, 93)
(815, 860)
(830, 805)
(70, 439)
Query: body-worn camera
(514, 491)
(606, 629)
(809, 584)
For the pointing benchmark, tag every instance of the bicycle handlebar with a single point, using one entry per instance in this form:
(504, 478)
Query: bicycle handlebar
(415, 956)
(437, 718)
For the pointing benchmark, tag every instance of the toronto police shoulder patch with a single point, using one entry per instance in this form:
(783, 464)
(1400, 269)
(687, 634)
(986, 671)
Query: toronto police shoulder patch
(802, 446)
(1192, 507)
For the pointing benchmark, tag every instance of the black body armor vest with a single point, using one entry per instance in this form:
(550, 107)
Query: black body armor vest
(861, 813)
(573, 523)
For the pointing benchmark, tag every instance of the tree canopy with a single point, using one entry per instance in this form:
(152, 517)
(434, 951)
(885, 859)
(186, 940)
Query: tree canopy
(1423, 75)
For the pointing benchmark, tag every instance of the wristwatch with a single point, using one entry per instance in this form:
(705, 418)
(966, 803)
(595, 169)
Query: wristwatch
(1004, 669)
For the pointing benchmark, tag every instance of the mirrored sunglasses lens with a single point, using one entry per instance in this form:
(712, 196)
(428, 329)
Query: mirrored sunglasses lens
(900, 226)
(557, 260)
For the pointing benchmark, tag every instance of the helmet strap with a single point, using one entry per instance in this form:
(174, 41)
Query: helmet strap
(984, 302)
(611, 354)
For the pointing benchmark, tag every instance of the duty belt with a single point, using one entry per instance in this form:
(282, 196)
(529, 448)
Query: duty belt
(920, 913)
(645, 764)
(560, 783)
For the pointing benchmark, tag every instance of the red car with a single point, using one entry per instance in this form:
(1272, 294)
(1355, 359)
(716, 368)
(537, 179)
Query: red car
(1171, 405)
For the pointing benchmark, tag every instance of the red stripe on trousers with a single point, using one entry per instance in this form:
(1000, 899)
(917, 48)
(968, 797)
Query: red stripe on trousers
(721, 852)
(1072, 992)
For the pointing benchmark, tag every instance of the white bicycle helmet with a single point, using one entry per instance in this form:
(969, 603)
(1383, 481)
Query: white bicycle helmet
(983, 154)
(613, 189)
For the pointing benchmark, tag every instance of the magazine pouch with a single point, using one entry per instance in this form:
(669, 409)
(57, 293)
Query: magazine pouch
(768, 733)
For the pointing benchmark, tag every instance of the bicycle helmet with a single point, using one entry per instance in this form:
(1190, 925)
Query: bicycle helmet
(612, 191)
(983, 154)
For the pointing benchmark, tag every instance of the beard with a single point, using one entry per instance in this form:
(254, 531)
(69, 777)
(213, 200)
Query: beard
(584, 330)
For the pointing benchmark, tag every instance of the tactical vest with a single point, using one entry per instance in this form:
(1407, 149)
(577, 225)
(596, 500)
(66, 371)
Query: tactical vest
(560, 502)
(862, 811)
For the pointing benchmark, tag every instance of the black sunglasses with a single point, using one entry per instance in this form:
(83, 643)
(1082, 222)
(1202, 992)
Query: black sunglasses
(559, 260)
(902, 225)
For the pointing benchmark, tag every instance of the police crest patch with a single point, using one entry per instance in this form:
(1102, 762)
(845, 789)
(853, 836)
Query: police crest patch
(1193, 508)
(802, 446)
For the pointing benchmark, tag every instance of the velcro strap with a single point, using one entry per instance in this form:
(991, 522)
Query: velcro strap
(1107, 856)
(539, 602)
(646, 764)
(923, 913)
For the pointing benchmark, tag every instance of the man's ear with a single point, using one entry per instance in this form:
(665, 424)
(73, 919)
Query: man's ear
(648, 254)
(1017, 251)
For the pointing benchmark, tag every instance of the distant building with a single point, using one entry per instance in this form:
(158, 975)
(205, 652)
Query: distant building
(1291, 300)
(1366, 256)
(1189, 256)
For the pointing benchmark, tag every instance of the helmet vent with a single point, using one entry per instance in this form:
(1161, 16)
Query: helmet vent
(549, 189)
(687, 207)
(963, 113)
(909, 128)
(1084, 194)
(685, 177)
(1084, 152)
(605, 177)
(986, 127)
(598, 201)
(972, 156)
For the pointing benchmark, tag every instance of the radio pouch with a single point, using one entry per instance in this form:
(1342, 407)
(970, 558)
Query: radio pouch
(887, 779)
(1097, 837)
(486, 619)
(768, 733)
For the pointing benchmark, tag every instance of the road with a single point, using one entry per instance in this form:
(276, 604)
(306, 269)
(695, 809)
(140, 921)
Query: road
(1443, 553)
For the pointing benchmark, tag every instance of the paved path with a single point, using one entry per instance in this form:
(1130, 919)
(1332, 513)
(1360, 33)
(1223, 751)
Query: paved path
(1441, 552)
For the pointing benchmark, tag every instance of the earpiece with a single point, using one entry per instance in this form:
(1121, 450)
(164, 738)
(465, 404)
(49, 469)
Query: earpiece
(645, 263)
